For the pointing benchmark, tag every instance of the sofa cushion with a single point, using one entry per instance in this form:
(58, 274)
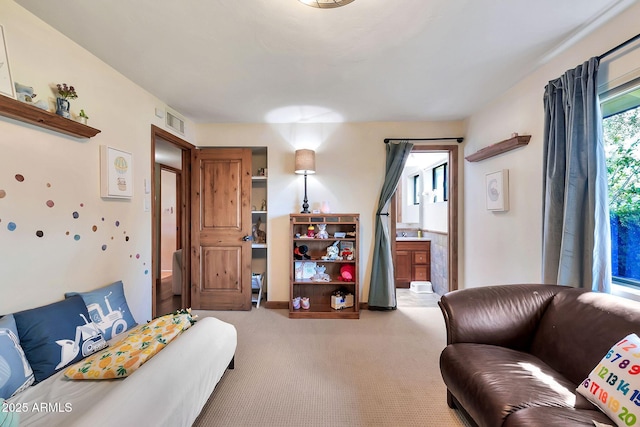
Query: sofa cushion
(536, 417)
(15, 371)
(579, 327)
(108, 309)
(56, 335)
(613, 385)
(491, 382)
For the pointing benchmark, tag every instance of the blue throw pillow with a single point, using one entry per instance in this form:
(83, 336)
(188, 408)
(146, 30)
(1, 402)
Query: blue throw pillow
(108, 309)
(15, 371)
(56, 335)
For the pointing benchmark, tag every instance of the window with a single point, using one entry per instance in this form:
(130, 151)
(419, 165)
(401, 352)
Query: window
(440, 183)
(621, 128)
(416, 189)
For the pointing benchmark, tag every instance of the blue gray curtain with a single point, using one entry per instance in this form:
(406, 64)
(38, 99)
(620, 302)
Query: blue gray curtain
(576, 246)
(382, 290)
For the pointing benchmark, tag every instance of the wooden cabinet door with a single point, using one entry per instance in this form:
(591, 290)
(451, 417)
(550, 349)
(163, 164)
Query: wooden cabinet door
(403, 268)
(221, 218)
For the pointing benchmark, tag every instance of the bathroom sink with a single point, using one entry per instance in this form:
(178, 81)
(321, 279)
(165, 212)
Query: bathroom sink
(410, 239)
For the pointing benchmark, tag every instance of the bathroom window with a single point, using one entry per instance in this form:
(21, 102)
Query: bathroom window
(439, 182)
(415, 180)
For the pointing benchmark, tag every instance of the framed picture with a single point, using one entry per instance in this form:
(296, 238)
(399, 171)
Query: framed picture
(6, 84)
(116, 173)
(439, 183)
(497, 190)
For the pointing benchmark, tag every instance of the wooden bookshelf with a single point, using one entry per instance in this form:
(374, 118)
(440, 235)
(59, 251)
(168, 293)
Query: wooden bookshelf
(320, 292)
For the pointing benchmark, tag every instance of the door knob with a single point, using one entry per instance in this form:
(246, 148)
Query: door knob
(247, 238)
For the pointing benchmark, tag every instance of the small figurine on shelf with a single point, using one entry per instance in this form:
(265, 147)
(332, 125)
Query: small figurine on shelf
(332, 252)
(320, 275)
(259, 236)
(310, 231)
(263, 207)
(304, 303)
(296, 303)
(322, 234)
(300, 252)
(347, 273)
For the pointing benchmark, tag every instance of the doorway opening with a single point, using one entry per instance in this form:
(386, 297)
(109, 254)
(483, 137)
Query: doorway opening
(425, 208)
(171, 209)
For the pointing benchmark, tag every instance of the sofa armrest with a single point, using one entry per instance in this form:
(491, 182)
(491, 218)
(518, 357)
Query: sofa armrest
(505, 315)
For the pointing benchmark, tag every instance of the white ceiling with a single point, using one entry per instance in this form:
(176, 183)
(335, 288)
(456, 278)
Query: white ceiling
(254, 61)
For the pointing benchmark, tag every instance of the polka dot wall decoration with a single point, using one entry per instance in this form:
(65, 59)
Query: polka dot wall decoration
(2, 194)
(76, 237)
(19, 178)
(39, 233)
(50, 203)
(76, 215)
(104, 247)
(94, 228)
(11, 226)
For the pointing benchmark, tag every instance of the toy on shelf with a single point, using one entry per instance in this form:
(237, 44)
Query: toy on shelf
(300, 252)
(322, 234)
(347, 273)
(332, 252)
(310, 231)
(320, 275)
(259, 236)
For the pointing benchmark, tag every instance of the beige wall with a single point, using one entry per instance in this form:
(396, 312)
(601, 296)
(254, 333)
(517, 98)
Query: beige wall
(500, 248)
(350, 163)
(494, 248)
(39, 270)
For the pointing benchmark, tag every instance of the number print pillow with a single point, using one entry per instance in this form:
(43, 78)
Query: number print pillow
(614, 385)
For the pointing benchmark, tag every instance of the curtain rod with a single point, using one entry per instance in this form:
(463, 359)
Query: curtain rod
(620, 46)
(458, 138)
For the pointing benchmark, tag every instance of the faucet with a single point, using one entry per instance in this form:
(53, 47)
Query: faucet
(404, 234)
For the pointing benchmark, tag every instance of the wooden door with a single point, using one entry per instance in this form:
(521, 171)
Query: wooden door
(221, 218)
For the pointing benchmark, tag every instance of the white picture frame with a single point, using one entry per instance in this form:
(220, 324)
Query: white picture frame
(6, 83)
(116, 173)
(497, 190)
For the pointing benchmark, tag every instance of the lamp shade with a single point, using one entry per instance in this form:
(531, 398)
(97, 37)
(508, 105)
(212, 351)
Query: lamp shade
(305, 162)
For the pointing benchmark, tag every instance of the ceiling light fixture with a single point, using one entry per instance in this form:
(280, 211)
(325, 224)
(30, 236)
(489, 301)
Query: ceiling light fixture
(326, 4)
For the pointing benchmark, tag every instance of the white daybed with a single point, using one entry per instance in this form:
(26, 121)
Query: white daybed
(169, 390)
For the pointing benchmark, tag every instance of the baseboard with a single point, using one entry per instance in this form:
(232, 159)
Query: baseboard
(276, 305)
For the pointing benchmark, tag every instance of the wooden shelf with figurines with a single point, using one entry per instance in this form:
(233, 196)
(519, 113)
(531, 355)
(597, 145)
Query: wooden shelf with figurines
(324, 266)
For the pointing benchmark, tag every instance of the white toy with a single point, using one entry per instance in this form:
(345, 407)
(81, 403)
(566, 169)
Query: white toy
(320, 275)
(322, 234)
(332, 252)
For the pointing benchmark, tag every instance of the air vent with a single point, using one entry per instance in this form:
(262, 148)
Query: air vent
(175, 123)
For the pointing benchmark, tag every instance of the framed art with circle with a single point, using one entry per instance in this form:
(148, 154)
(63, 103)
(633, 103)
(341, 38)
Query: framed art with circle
(497, 190)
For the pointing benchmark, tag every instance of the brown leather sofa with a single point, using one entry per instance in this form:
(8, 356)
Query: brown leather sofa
(516, 353)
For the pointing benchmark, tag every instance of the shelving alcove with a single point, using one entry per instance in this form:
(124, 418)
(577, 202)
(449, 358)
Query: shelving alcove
(26, 113)
(259, 213)
(319, 292)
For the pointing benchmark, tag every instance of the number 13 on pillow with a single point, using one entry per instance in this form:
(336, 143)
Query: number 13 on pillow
(614, 384)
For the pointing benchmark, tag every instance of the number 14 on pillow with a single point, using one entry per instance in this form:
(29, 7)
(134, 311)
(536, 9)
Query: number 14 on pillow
(614, 384)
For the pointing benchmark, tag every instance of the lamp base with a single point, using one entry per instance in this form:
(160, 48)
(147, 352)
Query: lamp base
(305, 202)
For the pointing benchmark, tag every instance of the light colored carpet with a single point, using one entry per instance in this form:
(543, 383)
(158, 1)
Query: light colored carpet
(380, 370)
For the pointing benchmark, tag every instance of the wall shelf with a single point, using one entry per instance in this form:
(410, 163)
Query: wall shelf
(499, 148)
(26, 113)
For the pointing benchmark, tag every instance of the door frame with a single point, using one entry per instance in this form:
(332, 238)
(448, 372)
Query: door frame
(184, 207)
(452, 217)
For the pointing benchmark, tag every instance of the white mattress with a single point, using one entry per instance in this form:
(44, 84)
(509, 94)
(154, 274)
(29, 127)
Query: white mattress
(169, 390)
